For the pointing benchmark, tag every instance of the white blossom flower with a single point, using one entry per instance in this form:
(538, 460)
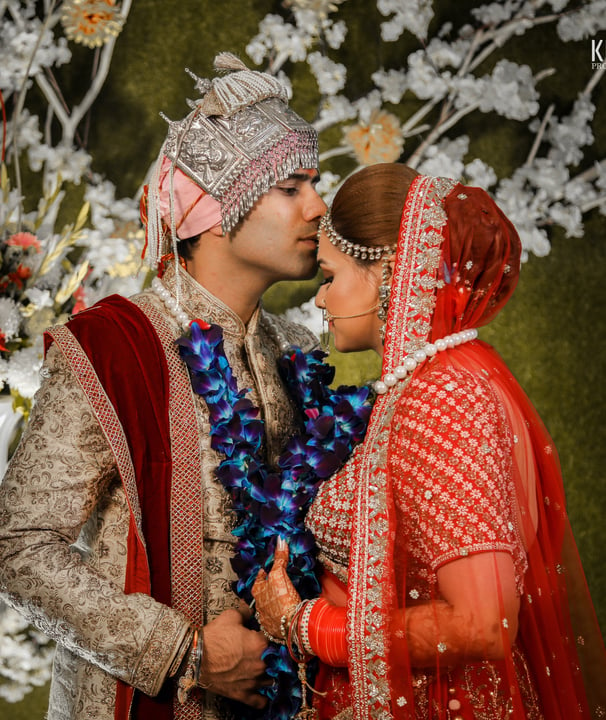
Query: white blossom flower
(423, 79)
(28, 134)
(535, 240)
(391, 83)
(523, 206)
(583, 23)
(308, 21)
(572, 133)
(257, 49)
(579, 191)
(331, 76)
(113, 256)
(446, 158)
(17, 44)
(367, 105)
(557, 5)
(549, 178)
(334, 110)
(38, 297)
(569, 217)
(60, 161)
(107, 285)
(335, 34)
(495, 13)
(510, 91)
(10, 318)
(24, 365)
(479, 174)
(279, 36)
(443, 54)
(327, 185)
(467, 91)
(411, 15)
(320, 7)
(105, 210)
(25, 656)
(308, 315)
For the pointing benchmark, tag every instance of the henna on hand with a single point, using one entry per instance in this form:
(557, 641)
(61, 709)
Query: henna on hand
(275, 595)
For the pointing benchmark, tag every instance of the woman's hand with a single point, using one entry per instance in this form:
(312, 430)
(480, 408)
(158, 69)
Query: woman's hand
(275, 595)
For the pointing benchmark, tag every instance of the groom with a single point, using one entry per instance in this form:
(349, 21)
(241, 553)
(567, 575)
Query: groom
(115, 534)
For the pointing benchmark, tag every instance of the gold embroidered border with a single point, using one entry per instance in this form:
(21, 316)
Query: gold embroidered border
(417, 261)
(408, 327)
(187, 527)
(367, 586)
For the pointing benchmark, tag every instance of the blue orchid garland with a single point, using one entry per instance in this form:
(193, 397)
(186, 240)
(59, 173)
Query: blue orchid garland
(270, 503)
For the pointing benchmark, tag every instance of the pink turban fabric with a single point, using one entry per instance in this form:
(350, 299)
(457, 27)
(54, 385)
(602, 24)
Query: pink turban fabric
(195, 210)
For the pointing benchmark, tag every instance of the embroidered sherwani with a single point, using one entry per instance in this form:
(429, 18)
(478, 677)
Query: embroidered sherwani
(69, 499)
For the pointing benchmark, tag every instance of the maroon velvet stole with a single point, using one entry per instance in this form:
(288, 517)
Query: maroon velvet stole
(129, 361)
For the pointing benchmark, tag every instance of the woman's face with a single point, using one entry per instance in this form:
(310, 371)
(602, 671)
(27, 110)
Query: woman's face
(349, 289)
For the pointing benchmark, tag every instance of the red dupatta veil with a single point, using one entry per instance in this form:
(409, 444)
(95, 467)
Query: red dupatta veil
(457, 265)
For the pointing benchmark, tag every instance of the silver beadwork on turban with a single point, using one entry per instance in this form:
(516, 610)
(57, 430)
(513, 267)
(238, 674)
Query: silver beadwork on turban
(239, 140)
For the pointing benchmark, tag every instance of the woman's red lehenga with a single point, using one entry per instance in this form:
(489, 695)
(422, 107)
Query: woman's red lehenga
(456, 462)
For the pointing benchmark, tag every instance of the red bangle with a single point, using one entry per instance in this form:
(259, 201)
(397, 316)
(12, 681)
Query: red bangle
(327, 633)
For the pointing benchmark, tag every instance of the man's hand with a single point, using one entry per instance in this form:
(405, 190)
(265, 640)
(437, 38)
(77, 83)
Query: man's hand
(232, 665)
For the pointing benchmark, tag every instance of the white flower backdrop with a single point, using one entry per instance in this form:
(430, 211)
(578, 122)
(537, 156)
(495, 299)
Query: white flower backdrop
(412, 112)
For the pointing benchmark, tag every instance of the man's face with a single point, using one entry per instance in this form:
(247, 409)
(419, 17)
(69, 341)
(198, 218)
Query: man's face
(277, 239)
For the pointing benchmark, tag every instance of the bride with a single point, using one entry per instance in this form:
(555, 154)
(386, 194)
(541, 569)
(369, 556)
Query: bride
(451, 585)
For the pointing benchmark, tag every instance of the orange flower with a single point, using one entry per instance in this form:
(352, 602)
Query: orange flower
(91, 22)
(378, 141)
(79, 296)
(21, 273)
(24, 240)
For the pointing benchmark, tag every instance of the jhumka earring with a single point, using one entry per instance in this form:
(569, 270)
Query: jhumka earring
(384, 294)
(325, 332)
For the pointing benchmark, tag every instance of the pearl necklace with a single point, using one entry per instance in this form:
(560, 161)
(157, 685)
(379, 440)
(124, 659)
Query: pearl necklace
(171, 304)
(416, 358)
(184, 321)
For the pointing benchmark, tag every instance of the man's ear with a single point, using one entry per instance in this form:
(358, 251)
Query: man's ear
(216, 231)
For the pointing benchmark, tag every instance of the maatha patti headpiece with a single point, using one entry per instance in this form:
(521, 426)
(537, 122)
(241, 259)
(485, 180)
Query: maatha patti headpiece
(240, 139)
(361, 252)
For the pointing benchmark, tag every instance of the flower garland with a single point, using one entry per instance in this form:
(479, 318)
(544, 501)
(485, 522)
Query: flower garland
(270, 503)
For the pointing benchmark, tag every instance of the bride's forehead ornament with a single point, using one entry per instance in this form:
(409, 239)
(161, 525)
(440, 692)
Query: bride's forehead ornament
(362, 252)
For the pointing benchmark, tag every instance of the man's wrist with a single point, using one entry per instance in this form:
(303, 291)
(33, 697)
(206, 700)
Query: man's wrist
(177, 667)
